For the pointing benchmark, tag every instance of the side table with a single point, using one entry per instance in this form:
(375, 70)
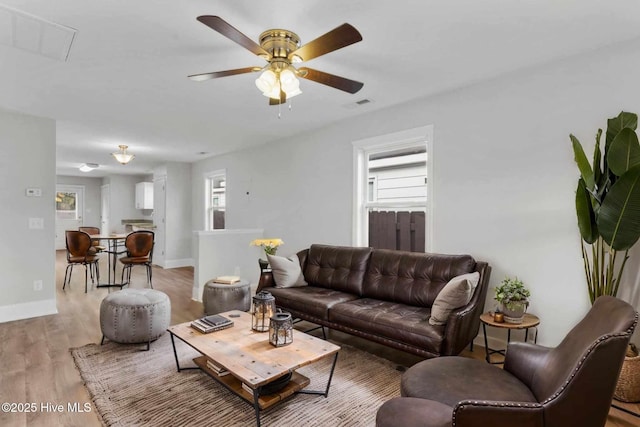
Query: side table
(529, 321)
(220, 297)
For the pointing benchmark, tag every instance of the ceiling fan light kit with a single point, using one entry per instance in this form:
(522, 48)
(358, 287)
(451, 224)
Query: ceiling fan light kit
(122, 156)
(281, 49)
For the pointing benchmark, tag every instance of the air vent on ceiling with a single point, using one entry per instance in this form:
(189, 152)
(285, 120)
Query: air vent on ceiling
(36, 35)
(358, 103)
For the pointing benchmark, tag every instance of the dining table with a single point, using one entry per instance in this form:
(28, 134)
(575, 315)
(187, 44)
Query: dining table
(115, 247)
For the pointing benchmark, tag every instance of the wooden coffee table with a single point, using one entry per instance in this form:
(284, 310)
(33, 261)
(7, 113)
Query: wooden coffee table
(251, 360)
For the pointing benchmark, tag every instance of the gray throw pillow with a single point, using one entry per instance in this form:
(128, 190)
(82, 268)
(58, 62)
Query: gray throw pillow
(286, 271)
(456, 293)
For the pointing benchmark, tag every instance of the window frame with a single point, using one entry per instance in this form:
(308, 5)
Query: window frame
(362, 149)
(208, 205)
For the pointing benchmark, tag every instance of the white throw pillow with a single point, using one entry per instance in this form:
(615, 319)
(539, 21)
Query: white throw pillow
(286, 271)
(456, 293)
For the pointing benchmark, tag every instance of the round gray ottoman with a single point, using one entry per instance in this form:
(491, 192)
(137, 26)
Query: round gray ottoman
(218, 297)
(133, 316)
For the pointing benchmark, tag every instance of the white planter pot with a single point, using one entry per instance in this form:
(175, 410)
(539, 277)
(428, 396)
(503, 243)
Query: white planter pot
(515, 312)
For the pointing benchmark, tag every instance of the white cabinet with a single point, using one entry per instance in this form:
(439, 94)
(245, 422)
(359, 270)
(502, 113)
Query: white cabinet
(144, 195)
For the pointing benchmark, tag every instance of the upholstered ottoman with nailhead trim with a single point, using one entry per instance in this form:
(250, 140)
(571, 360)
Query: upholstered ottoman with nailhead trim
(133, 316)
(219, 297)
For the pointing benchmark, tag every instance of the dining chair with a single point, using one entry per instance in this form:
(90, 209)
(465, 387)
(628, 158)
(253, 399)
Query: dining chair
(95, 244)
(78, 244)
(139, 246)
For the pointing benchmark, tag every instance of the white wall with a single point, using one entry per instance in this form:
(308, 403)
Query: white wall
(92, 200)
(178, 214)
(224, 253)
(122, 190)
(504, 175)
(27, 160)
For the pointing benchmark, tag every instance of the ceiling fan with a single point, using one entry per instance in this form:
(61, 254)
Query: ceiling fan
(281, 49)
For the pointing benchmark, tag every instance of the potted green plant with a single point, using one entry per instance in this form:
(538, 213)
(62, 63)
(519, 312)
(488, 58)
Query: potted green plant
(513, 297)
(608, 202)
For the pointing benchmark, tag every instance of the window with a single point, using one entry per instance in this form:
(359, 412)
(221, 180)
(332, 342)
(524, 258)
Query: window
(391, 187)
(216, 184)
(66, 205)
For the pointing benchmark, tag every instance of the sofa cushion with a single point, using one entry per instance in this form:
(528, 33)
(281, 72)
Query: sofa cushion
(286, 271)
(312, 300)
(456, 293)
(412, 278)
(337, 267)
(395, 321)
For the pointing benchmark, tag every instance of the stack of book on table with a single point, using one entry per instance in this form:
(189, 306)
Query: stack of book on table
(247, 389)
(227, 280)
(217, 369)
(211, 323)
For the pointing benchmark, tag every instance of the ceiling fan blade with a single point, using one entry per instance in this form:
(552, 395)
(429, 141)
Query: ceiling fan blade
(339, 37)
(216, 74)
(276, 101)
(224, 28)
(332, 80)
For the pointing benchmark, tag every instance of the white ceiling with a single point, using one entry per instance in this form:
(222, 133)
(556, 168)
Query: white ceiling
(125, 81)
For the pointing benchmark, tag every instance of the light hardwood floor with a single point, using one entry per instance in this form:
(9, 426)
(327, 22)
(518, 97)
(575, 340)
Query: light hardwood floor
(36, 366)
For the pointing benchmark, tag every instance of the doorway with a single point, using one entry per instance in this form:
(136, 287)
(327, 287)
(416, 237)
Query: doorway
(69, 211)
(105, 206)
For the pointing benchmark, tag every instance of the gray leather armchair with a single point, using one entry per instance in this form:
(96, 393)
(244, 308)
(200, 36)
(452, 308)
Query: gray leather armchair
(569, 385)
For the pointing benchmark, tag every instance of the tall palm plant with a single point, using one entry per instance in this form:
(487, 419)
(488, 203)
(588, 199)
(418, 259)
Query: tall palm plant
(608, 203)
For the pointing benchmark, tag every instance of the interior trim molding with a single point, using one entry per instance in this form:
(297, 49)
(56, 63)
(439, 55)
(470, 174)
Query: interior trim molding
(175, 263)
(27, 310)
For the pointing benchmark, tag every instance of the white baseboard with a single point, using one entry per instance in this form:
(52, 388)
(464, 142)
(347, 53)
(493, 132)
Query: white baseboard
(175, 263)
(27, 310)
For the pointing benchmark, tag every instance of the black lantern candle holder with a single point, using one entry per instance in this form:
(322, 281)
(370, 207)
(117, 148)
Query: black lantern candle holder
(281, 329)
(264, 306)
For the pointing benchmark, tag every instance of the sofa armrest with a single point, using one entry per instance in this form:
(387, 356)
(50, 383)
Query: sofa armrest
(265, 281)
(522, 360)
(463, 323)
(474, 413)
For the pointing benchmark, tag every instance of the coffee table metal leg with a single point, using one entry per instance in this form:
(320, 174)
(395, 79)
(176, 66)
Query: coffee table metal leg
(256, 404)
(324, 393)
(175, 354)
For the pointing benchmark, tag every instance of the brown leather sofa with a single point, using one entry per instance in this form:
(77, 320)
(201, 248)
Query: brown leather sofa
(384, 296)
(569, 385)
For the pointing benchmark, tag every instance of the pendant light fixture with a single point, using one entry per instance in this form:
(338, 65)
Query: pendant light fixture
(122, 156)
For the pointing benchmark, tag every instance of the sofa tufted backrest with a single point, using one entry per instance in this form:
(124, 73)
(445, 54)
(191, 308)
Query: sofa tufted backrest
(337, 267)
(410, 277)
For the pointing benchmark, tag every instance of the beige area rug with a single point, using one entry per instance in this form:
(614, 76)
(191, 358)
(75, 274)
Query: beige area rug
(130, 387)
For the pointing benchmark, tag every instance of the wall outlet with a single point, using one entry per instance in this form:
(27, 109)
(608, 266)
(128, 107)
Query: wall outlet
(36, 223)
(37, 285)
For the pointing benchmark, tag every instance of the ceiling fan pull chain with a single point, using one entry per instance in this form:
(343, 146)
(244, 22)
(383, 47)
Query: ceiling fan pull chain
(290, 104)
(279, 110)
